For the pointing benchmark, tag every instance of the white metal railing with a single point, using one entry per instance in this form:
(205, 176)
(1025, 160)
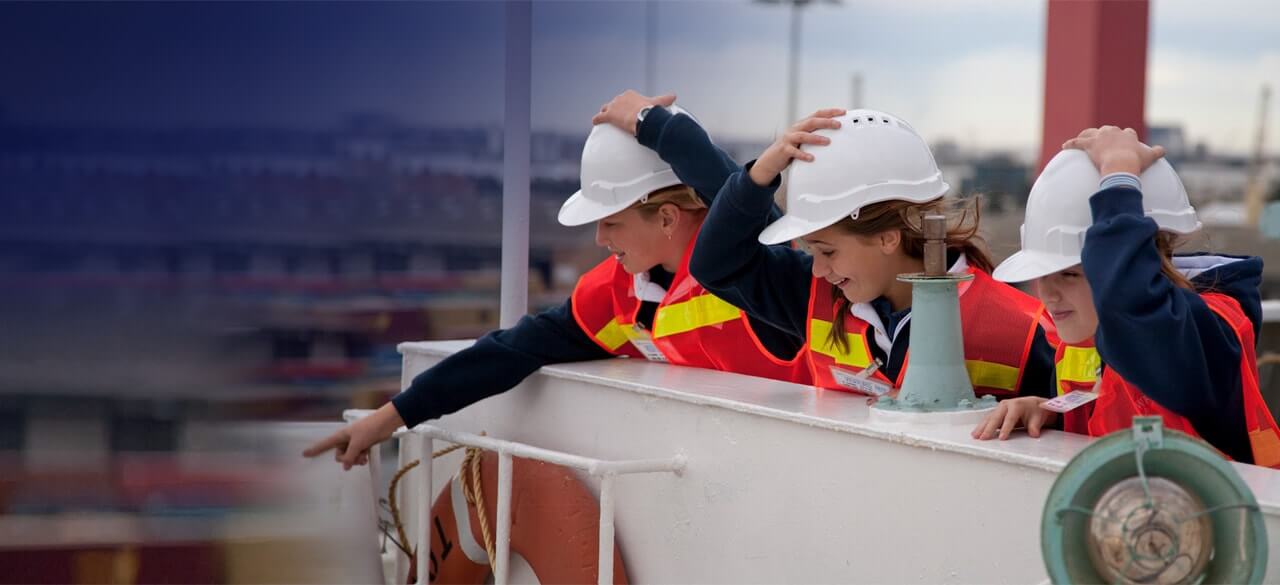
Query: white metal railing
(1271, 310)
(606, 470)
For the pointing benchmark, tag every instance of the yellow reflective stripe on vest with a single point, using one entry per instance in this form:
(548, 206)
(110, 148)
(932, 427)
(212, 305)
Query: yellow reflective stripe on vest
(612, 335)
(992, 375)
(700, 311)
(820, 342)
(1079, 364)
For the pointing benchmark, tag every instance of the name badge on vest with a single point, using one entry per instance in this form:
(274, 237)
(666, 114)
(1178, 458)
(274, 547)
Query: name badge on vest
(1069, 401)
(860, 381)
(641, 340)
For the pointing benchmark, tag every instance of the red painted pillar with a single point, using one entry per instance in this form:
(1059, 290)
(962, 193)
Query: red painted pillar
(1095, 68)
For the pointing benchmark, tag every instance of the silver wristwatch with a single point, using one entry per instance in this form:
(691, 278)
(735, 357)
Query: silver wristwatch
(640, 116)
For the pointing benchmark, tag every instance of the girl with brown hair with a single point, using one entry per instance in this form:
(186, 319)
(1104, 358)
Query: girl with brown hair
(1144, 331)
(858, 184)
(639, 302)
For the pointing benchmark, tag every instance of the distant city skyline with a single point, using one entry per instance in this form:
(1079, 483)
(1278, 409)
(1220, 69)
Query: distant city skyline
(970, 71)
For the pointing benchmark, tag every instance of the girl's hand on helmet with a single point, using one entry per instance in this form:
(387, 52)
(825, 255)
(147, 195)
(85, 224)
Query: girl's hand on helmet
(1013, 413)
(1113, 150)
(621, 111)
(779, 155)
(351, 443)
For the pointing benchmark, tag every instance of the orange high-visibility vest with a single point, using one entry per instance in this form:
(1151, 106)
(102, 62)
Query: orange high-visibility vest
(998, 322)
(1076, 367)
(691, 326)
(1119, 401)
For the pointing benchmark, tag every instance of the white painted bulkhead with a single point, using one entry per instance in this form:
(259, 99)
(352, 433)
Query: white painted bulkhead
(785, 483)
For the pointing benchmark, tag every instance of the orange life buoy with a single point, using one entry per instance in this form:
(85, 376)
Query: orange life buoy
(555, 523)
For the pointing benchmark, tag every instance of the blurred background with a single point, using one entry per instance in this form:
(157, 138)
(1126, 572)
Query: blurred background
(219, 215)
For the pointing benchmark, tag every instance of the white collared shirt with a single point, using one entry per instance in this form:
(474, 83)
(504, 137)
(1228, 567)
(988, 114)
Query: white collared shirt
(647, 290)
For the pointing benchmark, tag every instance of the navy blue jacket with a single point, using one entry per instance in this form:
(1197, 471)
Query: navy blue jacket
(1162, 338)
(502, 359)
(772, 282)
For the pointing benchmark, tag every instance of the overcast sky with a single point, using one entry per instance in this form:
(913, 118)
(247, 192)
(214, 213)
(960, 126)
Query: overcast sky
(970, 70)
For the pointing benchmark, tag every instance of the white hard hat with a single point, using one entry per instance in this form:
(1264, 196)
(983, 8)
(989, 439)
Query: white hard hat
(872, 157)
(617, 171)
(1058, 213)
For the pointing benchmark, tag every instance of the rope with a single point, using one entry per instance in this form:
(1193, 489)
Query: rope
(472, 492)
(475, 497)
(403, 543)
(446, 451)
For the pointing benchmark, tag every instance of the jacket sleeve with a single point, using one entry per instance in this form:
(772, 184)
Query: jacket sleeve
(686, 146)
(1158, 336)
(770, 283)
(496, 363)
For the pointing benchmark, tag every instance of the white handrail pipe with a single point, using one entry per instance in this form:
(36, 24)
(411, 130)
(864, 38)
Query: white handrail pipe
(503, 543)
(424, 511)
(607, 471)
(605, 565)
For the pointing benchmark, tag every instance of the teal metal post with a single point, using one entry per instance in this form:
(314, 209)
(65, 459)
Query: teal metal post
(936, 378)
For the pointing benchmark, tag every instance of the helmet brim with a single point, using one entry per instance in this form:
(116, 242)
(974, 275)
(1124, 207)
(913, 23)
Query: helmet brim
(790, 227)
(579, 210)
(1032, 264)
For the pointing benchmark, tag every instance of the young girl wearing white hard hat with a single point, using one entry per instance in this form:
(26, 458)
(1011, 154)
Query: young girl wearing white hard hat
(639, 302)
(1144, 332)
(858, 183)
